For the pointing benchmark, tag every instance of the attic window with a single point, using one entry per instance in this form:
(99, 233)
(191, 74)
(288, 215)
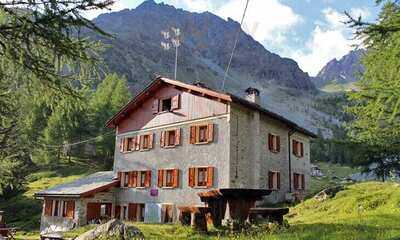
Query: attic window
(166, 104)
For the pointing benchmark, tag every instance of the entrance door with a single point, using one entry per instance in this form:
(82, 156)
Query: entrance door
(93, 211)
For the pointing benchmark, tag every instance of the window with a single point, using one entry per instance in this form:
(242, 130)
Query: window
(298, 181)
(274, 143)
(168, 178)
(170, 138)
(48, 207)
(298, 148)
(274, 180)
(166, 104)
(128, 144)
(145, 142)
(201, 177)
(135, 179)
(202, 134)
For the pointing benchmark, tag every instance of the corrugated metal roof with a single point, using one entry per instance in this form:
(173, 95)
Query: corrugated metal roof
(93, 183)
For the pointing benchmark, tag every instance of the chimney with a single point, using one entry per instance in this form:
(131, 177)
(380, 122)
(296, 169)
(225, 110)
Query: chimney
(253, 95)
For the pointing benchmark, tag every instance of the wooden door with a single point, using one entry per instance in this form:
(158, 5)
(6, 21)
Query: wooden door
(132, 212)
(92, 211)
(117, 212)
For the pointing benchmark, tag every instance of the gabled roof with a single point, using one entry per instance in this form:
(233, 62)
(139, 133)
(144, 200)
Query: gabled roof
(82, 187)
(206, 92)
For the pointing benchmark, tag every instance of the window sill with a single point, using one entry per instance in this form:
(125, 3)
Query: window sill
(201, 187)
(201, 143)
(168, 187)
(274, 151)
(171, 146)
(144, 150)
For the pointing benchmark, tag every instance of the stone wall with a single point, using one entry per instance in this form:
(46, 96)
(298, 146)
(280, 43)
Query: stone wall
(215, 154)
(251, 159)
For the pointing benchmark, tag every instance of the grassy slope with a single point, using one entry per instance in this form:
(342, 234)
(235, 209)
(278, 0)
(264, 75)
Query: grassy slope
(361, 211)
(330, 171)
(23, 211)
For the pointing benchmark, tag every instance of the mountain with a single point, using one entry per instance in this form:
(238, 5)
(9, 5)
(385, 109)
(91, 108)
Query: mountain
(341, 71)
(207, 42)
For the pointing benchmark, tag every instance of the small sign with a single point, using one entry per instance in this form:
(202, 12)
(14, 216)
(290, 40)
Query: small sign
(154, 192)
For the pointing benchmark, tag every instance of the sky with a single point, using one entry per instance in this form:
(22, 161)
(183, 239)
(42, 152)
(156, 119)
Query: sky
(311, 32)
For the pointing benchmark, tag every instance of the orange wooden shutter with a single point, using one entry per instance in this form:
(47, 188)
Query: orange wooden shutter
(138, 143)
(155, 106)
(270, 141)
(134, 178)
(151, 136)
(210, 176)
(160, 178)
(147, 180)
(130, 179)
(162, 139)
(270, 181)
(302, 181)
(125, 144)
(210, 132)
(192, 134)
(278, 143)
(70, 209)
(177, 136)
(175, 178)
(48, 207)
(295, 181)
(175, 102)
(294, 147)
(121, 145)
(301, 149)
(192, 172)
(278, 180)
(134, 144)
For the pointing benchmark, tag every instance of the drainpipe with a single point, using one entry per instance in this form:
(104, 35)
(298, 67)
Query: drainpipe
(290, 133)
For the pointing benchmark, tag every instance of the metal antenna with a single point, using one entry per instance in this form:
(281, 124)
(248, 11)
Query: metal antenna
(175, 41)
(234, 46)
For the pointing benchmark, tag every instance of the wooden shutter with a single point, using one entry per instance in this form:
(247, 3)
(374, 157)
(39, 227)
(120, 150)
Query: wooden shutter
(278, 143)
(70, 209)
(151, 136)
(210, 132)
(295, 181)
(160, 178)
(177, 137)
(270, 181)
(192, 173)
(134, 142)
(175, 178)
(132, 212)
(278, 180)
(192, 134)
(270, 141)
(162, 139)
(301, 150)
(175, 102)
(125, 145)
(134, 178)
(155, 106)
(121, 145)
(48, 207)
(138, 143)
(147, 179)
(210, 176)
(302, 181)
(294, 147)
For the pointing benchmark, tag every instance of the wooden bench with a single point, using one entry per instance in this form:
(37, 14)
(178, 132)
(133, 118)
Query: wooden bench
(269, 214)
(195, 216)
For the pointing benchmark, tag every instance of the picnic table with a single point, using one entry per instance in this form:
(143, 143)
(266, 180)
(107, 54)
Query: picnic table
(270, 214)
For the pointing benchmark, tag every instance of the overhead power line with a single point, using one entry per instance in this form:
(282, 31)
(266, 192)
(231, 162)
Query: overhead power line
(79, 142)
(234, 45)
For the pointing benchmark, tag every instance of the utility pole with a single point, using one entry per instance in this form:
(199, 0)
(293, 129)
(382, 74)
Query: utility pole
(175, 41)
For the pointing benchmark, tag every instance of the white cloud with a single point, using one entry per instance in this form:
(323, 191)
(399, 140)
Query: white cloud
(117, 6)
(329, 39)
(363, 12)
(268, 21)
(194, 5)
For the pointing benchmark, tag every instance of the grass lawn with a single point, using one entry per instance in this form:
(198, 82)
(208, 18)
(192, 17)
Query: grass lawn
(367, 211)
